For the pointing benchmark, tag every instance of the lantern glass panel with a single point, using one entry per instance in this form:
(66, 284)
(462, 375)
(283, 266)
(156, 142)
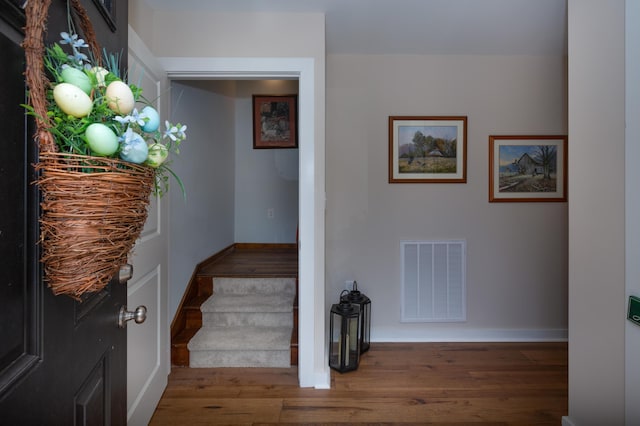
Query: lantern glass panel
(344, 348)
(366, 326)
(364, 302)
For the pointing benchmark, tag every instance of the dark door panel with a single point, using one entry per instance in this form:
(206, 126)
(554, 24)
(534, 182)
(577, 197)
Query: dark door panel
(62, 361)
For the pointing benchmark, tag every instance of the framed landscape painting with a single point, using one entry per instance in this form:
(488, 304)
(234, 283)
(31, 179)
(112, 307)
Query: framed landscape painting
(275, 121)
(527, 168)
(427, 149)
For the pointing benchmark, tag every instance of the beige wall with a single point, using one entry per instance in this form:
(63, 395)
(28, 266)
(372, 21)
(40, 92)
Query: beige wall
(234, 34)
(517, 252)
(596, 212)
(141, 19)
(367, 217)
(632, 205)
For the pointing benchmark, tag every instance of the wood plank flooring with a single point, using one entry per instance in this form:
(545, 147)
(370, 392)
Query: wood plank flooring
(396, 383)
(255, 260)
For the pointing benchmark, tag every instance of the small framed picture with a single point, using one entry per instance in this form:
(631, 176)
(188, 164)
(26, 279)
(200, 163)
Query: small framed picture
(427, 149)
(527, 168)
(275, 121)
(108, 12)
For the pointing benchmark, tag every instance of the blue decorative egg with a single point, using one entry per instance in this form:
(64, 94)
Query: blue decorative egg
(153, 119)
(134, 149)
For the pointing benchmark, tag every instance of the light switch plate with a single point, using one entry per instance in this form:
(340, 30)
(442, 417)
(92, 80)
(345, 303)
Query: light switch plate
(633, 314)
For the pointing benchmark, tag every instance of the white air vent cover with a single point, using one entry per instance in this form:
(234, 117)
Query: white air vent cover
(433, 281)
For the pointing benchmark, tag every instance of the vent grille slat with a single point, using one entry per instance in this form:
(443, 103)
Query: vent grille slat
(433, 281)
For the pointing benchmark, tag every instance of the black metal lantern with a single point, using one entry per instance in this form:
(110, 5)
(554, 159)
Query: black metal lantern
(344, 343)
(364, 302)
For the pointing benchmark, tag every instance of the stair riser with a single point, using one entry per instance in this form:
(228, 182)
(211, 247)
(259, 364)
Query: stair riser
(272, 319)
(254, 286)
(214, 359)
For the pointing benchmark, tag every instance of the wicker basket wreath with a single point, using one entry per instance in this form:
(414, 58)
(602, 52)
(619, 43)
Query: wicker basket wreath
(93, 207)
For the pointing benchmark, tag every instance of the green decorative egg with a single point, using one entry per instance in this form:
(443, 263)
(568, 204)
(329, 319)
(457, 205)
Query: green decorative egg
(158, 153)
(101, 139)
(72, 100)
(77, 78)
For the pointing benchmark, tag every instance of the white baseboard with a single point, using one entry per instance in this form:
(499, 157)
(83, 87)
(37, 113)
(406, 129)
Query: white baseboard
(323, 380)
(470, 335)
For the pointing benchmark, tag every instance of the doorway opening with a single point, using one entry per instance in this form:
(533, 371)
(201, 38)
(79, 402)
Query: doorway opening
(312, 364)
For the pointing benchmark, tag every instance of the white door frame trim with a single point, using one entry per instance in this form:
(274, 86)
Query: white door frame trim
(312, 363)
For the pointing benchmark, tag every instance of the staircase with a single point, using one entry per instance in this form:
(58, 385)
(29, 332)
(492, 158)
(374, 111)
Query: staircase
(236, 261)
(247, 322)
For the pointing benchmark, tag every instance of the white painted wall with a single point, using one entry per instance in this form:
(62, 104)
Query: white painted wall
(202, 224)
(596, 212)
(517, 252)
(265, 178)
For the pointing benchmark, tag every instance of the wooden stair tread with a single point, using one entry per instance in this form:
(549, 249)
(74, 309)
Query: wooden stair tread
(246, 275)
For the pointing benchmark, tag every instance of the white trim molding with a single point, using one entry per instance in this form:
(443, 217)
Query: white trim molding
(433, 334)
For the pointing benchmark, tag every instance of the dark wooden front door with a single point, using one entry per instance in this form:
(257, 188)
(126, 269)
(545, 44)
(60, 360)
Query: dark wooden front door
(62, 362)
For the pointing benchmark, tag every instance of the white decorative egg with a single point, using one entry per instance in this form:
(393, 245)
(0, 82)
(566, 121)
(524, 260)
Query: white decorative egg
(101, 139)
(77, 78)
(100, 74)
(72, 100)
(153, 119)
(120, 97)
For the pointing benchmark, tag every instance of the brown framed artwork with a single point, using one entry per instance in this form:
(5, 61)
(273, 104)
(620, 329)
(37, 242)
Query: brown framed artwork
(427, 149)
(528, 168)
(275, 121)
(107, 9)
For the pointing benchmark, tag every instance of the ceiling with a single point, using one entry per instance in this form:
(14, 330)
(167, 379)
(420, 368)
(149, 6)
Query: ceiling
(420, 27)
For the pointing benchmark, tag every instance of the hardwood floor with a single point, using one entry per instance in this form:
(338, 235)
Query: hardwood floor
(396, 383)
(255, 260)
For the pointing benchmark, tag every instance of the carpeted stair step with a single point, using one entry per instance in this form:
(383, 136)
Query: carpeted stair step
(245, 346)
(250, 309)
(247, 322)
(223, 285)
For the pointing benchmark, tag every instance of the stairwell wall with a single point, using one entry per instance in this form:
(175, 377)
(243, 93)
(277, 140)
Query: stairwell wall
(266, 179)
(202, 224)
